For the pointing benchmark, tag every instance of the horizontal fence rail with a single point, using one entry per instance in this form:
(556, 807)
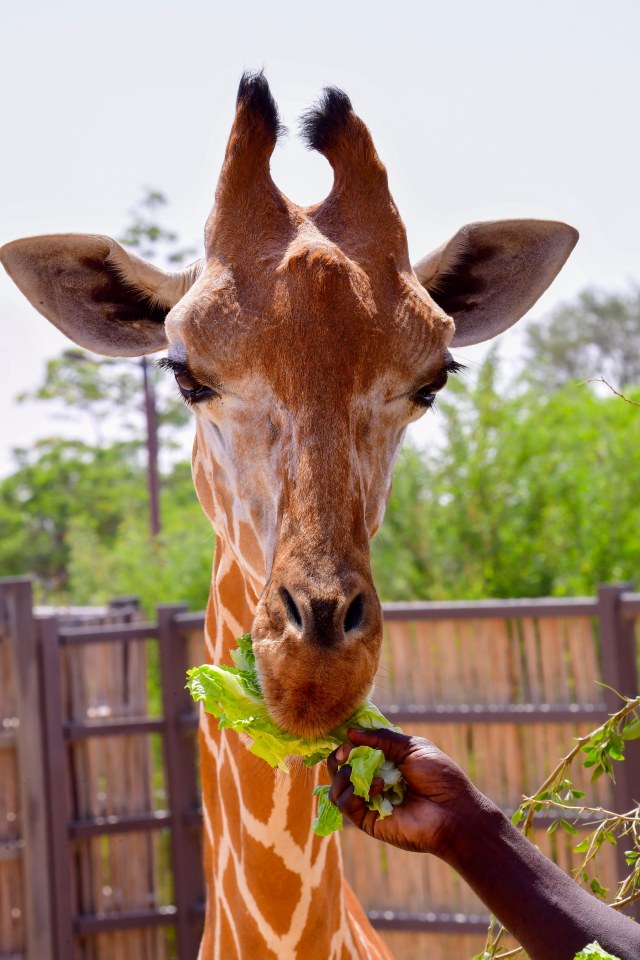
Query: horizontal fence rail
(500, 685)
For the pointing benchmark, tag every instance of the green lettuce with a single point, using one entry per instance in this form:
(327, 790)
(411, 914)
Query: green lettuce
(329, 818)
(233, 695)
(594, 951)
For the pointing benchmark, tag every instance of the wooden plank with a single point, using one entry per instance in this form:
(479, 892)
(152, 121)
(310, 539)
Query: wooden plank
(488, 713)
(180, 767)
(60, 875)
(478, 609)
(428, 921)
(23, 649)
(125, 920)
(11, 850)
(119, 823)
(115, 633)
(619, 672)
(119, 726)
(630, 603)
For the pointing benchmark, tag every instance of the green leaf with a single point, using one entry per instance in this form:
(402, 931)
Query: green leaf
(568, 827)
(329, 818)
(583, 846)
(632, 730)
(225, 693)
(364, 762)
(594, 951)
(598, 889)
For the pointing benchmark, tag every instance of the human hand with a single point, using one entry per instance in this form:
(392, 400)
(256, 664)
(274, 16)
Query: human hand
(439, 801)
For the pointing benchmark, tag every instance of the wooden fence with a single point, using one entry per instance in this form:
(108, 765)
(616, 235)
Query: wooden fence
(99, 811)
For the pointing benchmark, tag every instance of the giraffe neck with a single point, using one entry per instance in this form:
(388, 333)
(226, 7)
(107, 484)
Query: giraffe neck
(274, 890)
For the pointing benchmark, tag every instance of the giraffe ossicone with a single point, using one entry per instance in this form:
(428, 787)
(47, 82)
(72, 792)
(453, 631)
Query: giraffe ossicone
(306, 343)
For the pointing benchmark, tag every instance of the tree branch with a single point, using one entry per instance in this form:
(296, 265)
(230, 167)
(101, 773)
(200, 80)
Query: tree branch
(633, 403)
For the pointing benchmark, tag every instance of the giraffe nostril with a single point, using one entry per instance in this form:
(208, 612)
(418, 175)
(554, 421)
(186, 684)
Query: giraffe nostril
(355, 614)
(292, 611)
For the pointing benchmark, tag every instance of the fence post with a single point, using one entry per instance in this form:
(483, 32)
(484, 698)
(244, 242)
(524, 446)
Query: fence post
(182, 787)
(33, 811)
(56, 790)
(619, 671)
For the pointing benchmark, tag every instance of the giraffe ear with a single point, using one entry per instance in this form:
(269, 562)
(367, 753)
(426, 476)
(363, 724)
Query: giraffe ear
(100, 295)
(489, 274)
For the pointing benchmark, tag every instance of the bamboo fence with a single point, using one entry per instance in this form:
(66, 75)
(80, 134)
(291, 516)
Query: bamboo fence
(483, 663)
(502, 689)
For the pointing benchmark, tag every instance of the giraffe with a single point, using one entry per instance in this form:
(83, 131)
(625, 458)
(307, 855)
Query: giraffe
(305, 343)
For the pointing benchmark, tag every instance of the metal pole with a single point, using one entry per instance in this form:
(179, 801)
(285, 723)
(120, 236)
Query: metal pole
(152, 449)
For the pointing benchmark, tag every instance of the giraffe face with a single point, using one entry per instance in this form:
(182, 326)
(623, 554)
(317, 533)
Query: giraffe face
(304, 380)
(307, 345)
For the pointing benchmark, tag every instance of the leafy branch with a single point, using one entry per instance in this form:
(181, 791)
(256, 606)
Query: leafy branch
(602, 748)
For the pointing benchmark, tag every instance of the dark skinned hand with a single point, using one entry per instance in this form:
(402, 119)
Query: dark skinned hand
(439, 800)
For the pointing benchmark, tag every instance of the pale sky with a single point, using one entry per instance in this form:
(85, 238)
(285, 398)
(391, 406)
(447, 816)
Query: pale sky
(485, 110)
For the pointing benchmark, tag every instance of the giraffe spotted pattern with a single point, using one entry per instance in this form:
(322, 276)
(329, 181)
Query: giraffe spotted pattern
(275, 889)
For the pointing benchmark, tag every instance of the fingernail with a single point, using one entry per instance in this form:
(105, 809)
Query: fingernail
(342, 753)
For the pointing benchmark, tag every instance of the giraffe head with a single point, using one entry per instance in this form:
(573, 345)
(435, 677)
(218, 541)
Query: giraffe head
(305, 343)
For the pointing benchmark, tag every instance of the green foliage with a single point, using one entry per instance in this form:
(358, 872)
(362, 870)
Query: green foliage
(599, 750)
(598, 335)
(149, 237)
(107, 391)
(534, 494)
(595, 952)
(55, 482)
(176, 565)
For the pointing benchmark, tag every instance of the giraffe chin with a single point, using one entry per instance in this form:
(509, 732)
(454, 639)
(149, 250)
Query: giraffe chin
(311, 693)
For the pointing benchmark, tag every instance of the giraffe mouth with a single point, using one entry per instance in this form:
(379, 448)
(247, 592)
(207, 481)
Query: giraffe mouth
(310, 692)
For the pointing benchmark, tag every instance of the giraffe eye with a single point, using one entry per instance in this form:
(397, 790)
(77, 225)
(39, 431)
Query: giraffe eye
(191, 390)
(425, 397)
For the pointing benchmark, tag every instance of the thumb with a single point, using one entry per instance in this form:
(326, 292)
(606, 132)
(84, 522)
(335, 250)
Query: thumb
(395, 746)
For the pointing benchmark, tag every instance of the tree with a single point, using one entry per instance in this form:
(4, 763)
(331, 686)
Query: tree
(533, 494)
(108, 392)
(176, 565)
(149, 237)
(64, 493)
(596, 336)
(79, 382)
(55, 481)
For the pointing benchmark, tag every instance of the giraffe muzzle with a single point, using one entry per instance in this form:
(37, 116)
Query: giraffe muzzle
(317, 648)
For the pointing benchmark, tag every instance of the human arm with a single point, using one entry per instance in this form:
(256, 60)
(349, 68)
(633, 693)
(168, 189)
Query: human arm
(445, 814)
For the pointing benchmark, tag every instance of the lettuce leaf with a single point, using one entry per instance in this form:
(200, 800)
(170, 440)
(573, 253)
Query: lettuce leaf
(233, 695)
(329, 818)
(593, 951)
(364, 762)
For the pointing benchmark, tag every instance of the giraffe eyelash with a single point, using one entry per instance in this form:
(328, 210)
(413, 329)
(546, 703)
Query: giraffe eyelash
(193, 391)
(453, 366)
